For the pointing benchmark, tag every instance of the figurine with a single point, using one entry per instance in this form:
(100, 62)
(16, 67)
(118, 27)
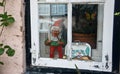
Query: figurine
(55, 40)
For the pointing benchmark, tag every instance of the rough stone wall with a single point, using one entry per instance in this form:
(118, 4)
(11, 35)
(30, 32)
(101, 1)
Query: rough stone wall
(13, 35)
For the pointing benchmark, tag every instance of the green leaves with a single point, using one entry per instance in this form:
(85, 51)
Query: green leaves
(6, 48)
(117, 14)
(2, 3)
(1, 63)
(1, 51)
(9, 51)
(6, 19)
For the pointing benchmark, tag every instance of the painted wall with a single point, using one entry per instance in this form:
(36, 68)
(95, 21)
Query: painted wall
(13, 35)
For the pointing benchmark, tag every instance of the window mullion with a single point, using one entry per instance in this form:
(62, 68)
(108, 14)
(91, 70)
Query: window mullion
(69, 30)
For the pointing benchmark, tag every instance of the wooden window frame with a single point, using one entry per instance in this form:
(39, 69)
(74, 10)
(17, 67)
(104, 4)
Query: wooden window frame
(105, 65)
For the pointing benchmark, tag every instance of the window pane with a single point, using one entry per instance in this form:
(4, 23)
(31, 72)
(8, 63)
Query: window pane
(87, 31)
(53, 32)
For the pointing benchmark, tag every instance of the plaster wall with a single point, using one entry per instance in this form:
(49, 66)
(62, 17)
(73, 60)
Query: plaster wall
(13, 35)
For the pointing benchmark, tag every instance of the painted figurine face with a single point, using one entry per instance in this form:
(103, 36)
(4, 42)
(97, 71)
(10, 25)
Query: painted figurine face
(55, 33)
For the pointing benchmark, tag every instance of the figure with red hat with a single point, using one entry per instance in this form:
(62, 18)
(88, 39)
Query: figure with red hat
(55, 40)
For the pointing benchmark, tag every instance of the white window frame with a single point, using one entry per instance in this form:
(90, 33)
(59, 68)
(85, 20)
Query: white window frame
(67, 63)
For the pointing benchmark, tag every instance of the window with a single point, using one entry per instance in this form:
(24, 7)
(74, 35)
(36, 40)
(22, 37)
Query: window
(69, 32)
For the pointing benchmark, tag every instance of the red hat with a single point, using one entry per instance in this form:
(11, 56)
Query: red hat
(58, 22)
(56, 25)
(55, 28)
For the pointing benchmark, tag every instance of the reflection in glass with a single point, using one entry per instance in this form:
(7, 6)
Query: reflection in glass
(87, 22)
(53, 33)
(87, 31)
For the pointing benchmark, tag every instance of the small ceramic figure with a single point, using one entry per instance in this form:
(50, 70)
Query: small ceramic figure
(55, 40)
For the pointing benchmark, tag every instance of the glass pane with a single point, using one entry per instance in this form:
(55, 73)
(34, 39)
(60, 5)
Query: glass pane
(87, 21)
(52, 30)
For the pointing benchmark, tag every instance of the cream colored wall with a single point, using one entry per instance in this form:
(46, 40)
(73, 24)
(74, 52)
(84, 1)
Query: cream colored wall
(13, 35)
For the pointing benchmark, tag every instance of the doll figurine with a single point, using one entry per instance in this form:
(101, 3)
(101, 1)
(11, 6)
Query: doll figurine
(55, 40)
